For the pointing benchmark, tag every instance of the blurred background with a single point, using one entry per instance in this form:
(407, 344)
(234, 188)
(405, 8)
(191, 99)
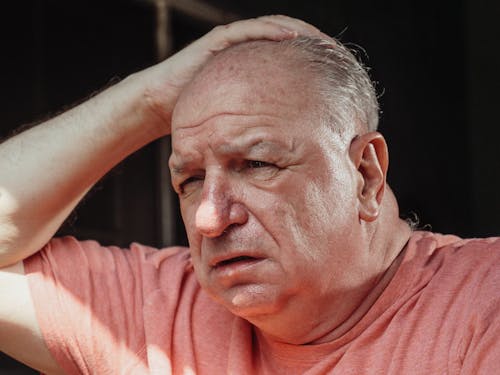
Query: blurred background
(435, 64)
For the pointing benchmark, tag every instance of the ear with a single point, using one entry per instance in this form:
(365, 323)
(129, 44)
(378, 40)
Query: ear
(369, 154)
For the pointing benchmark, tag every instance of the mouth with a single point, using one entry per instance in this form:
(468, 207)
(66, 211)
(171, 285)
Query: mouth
(229, 270)
(227, 262)
(234, 260)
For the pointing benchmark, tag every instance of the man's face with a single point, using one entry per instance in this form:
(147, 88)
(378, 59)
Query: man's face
(267, 193)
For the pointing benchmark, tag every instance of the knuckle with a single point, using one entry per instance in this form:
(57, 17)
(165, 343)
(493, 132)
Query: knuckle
(221, 28)
(216, 29)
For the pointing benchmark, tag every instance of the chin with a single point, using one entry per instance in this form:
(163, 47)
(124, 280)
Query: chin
(251, 300)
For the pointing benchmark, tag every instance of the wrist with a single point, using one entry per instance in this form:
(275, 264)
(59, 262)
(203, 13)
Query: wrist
(150, 101)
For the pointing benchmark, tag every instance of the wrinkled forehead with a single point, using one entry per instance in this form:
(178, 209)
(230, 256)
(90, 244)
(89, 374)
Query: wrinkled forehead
(251, 77)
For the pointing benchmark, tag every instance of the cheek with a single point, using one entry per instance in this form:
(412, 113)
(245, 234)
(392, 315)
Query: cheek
(188, 213)
(294, 219)
(316, 220)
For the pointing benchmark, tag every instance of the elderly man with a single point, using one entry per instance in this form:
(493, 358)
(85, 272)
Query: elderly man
(298, 261)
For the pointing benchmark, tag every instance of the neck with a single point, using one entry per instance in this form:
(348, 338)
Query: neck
(394, 257)
(384, 240)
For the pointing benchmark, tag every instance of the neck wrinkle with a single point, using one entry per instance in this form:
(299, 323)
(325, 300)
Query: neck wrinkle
(306, 355)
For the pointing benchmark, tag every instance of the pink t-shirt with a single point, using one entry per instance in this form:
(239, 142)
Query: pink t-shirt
(141, 311)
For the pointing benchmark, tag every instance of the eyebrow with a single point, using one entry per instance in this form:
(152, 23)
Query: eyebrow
(179, 168)
(251, 147)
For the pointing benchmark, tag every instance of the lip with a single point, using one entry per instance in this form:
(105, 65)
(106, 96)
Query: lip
(234, 258)
(238, 272)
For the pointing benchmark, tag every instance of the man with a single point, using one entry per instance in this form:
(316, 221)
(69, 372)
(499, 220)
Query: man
(301, 263)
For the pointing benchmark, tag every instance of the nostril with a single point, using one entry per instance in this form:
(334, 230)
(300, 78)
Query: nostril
(229, 227)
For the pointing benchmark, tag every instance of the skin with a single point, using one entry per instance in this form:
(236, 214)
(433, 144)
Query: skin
(90, 138)
(96, 135)
(258, 175)
(317, 274)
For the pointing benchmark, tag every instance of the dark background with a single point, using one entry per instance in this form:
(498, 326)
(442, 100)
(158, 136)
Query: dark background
(435, 64)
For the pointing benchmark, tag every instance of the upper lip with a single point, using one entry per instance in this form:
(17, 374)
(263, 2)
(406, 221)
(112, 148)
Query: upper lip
(221, 258)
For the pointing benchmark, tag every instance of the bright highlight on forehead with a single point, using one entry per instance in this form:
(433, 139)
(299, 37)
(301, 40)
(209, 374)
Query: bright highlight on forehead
(247, 60)
(251, 74)
(322, 72)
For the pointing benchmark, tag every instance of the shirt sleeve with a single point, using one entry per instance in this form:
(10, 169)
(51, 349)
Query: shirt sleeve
(89, 304)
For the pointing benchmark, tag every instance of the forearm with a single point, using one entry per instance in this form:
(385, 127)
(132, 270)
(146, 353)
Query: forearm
(46, 170)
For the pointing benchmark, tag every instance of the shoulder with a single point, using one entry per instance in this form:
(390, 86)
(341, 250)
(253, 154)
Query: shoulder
(477, 257)
(111, 302)
(458, 274)
(449, 270)
(68, 252)
(66, 264)
(450, 250)
(449, 295)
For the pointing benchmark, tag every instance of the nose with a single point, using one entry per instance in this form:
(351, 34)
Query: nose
(218, 210)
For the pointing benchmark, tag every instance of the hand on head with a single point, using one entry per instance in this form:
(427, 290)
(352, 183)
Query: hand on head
(163, 82)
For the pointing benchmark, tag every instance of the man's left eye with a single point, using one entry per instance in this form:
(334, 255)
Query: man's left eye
(258, 164)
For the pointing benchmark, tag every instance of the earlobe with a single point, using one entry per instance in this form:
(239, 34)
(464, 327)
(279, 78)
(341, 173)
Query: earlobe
(369, 154)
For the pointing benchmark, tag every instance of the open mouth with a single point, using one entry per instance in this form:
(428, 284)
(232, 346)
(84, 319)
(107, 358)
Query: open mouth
(243, 258)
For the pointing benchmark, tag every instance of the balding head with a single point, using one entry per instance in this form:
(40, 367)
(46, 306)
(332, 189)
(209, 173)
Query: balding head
(342, 81)
(320, 70)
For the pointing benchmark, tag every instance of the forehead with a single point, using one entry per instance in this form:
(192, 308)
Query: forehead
(252, 79)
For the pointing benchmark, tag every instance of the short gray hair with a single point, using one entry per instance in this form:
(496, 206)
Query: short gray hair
(344, 81)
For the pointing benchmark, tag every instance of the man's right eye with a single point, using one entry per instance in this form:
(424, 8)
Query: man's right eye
(188, 185)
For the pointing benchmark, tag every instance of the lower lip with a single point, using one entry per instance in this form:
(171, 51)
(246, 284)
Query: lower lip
(239, 268)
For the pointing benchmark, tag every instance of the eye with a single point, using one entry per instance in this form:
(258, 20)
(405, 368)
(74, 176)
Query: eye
(189, 184)
(261, 170)
(258, 164)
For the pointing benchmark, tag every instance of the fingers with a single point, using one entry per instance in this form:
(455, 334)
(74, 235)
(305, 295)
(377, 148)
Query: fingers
(164, 82)
(223, 36)
(274, 28)
(301, 27)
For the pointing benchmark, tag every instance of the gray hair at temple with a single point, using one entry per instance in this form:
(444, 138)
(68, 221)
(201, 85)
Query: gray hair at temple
(343, 81)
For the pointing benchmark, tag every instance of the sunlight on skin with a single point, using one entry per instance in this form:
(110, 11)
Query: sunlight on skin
(188, 371)
(207, 216)
(242, 300)
(8, 202)
(8, 230)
